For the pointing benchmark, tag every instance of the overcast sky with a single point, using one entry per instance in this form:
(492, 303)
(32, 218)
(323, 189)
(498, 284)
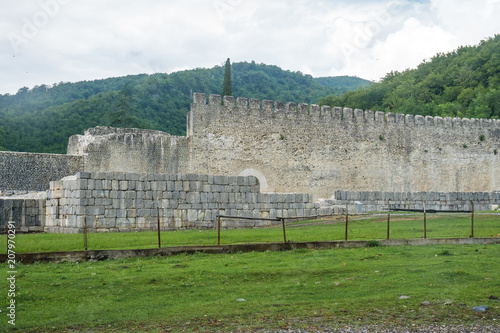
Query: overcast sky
(49, 41)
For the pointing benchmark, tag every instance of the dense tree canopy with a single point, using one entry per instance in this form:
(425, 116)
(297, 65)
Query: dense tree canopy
(2, 137)
(463, 83)
(41, 119)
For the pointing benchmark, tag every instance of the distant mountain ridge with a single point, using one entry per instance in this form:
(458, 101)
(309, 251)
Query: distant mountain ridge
(42, 118)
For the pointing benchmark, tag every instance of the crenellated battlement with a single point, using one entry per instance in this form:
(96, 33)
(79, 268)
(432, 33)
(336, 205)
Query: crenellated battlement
(298, 147)
(308, 148)
(126, 176)
(230, 104)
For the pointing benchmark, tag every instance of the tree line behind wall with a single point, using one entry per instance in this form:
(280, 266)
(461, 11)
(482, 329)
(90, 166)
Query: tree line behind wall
(42, 119)
(464, 83)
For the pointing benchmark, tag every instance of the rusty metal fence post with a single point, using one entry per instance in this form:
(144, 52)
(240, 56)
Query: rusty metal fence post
(472, 219)
(388, 216)
(283, 224)
(346, 219)
(159, 237)
(425, 221)
(218, 224)
(85, 231)
(284, 232)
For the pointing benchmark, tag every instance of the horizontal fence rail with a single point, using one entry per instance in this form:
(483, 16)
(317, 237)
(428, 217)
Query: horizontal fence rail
(390, 208)
(430, 211)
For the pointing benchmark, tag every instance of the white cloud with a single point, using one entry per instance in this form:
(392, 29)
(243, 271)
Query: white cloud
(468, 19)
(410, 46)
(72, 40)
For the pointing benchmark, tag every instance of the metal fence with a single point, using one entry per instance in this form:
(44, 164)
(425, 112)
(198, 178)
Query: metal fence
(283, 221)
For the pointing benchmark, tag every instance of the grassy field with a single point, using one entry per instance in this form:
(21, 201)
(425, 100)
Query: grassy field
(360, 228)
(251, 291)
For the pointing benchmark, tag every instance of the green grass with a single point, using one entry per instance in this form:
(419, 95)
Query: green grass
(299, 288)
(404, 226)
(359, 228)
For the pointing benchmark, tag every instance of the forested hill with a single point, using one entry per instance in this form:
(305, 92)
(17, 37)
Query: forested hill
(41, 119)
(464, 83)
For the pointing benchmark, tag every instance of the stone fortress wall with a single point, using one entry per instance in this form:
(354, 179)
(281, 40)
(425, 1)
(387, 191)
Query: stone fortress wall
(306, 148)
(117, 201)
(289, 147)
(28, 213)
(130, 150)
(328, 155)
(439, 201)
(33, 172)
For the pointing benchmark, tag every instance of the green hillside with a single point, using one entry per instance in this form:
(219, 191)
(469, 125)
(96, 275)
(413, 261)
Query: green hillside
(464, 83)
(348, 82)
(41, 119)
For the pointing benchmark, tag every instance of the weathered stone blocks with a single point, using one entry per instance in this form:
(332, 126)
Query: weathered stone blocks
(453, 201)
(123, 201)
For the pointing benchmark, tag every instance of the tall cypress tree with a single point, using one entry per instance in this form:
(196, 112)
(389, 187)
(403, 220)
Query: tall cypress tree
(121, 117)
(227, 87)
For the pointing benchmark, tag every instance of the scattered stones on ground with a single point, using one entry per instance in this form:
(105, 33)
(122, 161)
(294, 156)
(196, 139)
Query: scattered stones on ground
(397, 329)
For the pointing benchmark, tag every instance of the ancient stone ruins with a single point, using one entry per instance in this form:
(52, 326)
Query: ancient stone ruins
(253, 158)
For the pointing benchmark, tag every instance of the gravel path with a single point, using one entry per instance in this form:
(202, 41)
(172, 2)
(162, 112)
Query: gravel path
(416, 329)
